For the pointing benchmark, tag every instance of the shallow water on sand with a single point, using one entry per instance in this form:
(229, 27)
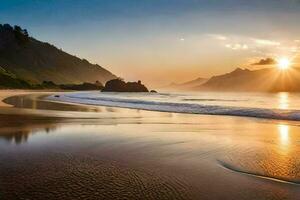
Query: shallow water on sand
(116, 153)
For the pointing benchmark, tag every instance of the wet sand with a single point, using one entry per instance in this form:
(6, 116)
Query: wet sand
(50, 150)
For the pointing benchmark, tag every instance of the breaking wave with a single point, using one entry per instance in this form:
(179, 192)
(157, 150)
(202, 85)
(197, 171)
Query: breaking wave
(178, 107)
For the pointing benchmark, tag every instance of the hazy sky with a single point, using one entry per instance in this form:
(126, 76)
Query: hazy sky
(160, 41)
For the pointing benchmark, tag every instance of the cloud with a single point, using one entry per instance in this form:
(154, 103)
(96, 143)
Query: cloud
(294, 49)
(263, 42)
(218, 37)
(266, 61)
(237, 46)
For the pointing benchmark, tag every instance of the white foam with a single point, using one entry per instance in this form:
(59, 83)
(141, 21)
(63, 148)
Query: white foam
(166, 105)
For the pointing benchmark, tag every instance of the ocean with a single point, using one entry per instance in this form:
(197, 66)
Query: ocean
(283, 106)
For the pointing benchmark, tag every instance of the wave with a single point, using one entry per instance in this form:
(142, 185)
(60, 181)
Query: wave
(258, 175)
(203, 99)
(179, 107)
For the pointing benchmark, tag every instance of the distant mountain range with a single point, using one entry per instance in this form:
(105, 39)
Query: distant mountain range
(189, 85)
(246, 80)
(266, 80)
(25, 58)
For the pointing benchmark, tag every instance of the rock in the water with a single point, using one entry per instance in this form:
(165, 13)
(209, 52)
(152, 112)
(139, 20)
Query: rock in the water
(118, 85)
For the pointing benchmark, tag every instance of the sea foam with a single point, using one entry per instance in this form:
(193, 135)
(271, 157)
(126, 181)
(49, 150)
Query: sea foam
(177, 107)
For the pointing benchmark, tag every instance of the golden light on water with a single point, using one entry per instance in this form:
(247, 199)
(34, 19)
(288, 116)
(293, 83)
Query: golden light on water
(283, 63)
(284, 133)
(283, 100)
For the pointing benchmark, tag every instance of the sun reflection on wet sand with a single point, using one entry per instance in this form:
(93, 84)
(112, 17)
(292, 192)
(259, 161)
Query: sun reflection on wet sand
(283, 100)
(284, 133)
(284, 137)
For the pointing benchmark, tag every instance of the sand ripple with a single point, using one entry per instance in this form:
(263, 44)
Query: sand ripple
(67, 177)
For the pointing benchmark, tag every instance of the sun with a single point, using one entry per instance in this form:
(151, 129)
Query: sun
(283, 63)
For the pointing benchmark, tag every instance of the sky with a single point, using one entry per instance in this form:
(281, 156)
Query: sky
(163, 41)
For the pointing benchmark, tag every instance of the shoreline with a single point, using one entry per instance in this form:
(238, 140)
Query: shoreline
(105, 152)
(194, 109)
(89, 111)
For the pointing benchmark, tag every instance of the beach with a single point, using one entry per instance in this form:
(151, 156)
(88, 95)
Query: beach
(63, 150)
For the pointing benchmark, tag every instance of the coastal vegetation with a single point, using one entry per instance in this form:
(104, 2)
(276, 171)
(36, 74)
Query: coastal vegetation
(9, 80)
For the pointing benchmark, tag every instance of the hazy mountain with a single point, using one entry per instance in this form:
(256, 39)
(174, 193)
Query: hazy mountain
(193, 83)
(36, 61)
(268, 79)
(189, 85)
